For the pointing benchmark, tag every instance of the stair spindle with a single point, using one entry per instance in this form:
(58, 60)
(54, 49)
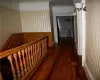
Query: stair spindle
(29, 52)
(21, 64)
(24, 62)
(27, 59)
(42, 48)
(39, 51)
(32, 56)
(35, 54)
(12, 66)
(17, 66)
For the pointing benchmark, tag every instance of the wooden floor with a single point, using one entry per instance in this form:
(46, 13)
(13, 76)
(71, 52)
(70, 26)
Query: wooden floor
(62, 69)
(58, 64)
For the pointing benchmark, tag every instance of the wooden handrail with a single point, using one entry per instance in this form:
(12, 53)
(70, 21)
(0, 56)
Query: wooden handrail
(17, 39)
(13, 41)
(11, 51)
(24, 58)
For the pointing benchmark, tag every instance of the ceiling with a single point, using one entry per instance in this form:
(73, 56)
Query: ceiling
(65, 2)
(62, 2)
(32, 0)
(53, 2)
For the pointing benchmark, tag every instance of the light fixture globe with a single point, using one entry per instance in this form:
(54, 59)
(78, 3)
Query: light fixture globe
(78, 6)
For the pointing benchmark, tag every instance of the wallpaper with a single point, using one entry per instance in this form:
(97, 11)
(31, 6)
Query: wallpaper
(35, 21)
(0, 29)
(10, 23)
(93, 38)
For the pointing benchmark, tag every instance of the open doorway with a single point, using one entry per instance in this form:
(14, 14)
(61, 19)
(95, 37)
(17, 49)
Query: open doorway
(65, 27)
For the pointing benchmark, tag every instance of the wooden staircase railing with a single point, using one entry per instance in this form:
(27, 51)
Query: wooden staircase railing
(18, 39)
(23, 59)
(13, 41)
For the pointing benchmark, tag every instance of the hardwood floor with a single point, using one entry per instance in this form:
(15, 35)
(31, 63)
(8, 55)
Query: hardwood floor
(62, 69)
(59, 65)
(45, 69)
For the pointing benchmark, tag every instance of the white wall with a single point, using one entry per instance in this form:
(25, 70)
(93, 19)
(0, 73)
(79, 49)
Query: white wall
(63, 9)
(0, 29)
(83, 34)
(35, 16)
(81, 25)
(75, 32)
(60, 11)
(55, 29)
(92, 62)
(79, 30)
(34, 6)
(13, 4)
(10, 21)
(35, 21)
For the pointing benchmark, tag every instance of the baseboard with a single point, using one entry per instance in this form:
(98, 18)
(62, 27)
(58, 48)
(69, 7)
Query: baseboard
(88, 73)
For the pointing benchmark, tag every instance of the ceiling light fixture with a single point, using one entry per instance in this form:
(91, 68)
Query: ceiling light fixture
(79, 6)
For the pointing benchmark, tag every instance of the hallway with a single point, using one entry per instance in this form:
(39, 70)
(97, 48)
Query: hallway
(58, 64)
(62, 69)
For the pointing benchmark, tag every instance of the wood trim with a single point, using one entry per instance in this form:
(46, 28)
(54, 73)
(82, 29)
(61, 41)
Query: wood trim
(19, 39)
(13, 41)
(29, 36)
(32, 56)
(13, 50)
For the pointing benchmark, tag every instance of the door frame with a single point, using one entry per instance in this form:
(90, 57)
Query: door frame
(55, 24)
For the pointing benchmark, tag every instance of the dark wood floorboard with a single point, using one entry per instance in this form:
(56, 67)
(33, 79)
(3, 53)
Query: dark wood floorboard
(62, 69)
(58, 64)
(45, 69)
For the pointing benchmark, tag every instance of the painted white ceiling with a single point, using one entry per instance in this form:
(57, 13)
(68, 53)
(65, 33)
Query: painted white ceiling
(54, 2)
(62, 2)
(43, 0)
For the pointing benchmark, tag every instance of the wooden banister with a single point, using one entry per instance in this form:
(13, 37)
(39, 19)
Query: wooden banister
(23, 59)
(13, 41)
(11, 51)
(18, 39)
